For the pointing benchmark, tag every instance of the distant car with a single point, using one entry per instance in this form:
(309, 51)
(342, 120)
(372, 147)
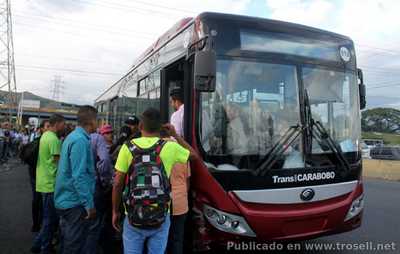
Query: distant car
(365, 151)
(385, 153)
(372, 143)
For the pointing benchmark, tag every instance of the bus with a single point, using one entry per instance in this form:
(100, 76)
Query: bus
(273, 108)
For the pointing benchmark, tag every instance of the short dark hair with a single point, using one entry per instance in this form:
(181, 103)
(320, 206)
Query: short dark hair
(151, 120)
(132, 120)
(56, 118)
(177, 94)
(43, 123)
(86, 114)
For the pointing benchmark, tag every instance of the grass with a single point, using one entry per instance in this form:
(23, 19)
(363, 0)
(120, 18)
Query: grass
(388, 138)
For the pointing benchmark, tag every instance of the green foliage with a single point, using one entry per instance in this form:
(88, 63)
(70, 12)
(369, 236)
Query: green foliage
(385, 120)
(388, 139)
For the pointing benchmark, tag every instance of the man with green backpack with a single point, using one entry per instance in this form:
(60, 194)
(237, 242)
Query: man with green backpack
(142, 181)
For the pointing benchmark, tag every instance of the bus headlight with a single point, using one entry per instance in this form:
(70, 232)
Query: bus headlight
(356, 207)
(227, 222)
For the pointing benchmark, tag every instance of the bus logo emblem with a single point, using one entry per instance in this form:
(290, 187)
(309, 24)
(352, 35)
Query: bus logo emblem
(307, 194)
(345, 54)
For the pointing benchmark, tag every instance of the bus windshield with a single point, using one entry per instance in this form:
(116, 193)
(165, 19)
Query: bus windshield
(253, 106)
(256, 103)
(334, 103)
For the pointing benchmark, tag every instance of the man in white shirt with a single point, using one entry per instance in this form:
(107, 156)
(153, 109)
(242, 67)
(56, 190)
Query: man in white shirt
(176, 95)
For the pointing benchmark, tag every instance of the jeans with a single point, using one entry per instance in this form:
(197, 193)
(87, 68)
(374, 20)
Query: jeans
(176, 234)
(74, 230)
(134, 238)
(49, 223)
(102, 202)
(2, 145)
(36, 200)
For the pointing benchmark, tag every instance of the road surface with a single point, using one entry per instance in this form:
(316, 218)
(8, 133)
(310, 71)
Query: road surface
(381, 223)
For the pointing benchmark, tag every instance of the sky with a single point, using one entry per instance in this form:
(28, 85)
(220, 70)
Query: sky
(92, 43)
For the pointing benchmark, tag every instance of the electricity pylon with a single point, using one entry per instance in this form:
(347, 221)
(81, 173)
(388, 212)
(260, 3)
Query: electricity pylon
(7, 64)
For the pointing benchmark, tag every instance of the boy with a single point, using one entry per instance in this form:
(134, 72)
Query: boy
(170, 154)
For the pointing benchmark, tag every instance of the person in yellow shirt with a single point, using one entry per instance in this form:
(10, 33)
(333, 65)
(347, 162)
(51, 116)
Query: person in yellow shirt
(171, 153)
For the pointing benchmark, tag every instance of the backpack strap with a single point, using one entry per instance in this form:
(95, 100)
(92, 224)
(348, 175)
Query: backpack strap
(138, 152)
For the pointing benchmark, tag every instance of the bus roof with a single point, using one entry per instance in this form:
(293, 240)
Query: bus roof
(162, 40)
(267, 22)
(185, 22)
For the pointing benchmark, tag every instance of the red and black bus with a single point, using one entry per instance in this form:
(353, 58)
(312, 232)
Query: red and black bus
(274, 110)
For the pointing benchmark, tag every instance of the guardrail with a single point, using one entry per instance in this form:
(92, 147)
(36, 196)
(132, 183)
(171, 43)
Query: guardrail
(383, 169)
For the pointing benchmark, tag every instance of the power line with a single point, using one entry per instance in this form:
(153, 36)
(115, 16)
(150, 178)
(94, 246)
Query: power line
(65, 22)
(25, 54)
(80, 35)
(384, 83)
(380, 68)
(91, 75)
(375, 87)
(381, 71)
(69, 70)
(126, 8)
(164, 7)
(378, 48)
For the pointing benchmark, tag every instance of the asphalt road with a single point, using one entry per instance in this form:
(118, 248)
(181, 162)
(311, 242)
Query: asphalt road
(381, 221)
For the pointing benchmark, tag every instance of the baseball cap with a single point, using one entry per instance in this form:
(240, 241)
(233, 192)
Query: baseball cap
(132, 120)
(106, 129)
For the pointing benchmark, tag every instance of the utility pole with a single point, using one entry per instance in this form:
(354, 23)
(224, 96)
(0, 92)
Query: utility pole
(57, 88)
(20, 111)
(7, 64)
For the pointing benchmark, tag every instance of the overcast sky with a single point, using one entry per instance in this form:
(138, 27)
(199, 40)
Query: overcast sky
(92, 43)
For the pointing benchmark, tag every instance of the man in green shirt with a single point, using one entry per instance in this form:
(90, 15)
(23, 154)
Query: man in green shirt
(46, 169)
(170, 154)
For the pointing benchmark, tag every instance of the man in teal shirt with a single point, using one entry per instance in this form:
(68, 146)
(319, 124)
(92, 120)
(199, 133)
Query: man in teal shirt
(46, 169)
(75, 184)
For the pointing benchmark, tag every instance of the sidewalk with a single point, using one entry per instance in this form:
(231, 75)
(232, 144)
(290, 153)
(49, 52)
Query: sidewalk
(15, 209)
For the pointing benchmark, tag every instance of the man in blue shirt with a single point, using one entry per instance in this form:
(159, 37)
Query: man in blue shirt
(75, 184)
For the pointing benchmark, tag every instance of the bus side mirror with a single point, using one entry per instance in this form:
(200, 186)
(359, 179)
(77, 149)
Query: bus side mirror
(205, 71)
(361, 88)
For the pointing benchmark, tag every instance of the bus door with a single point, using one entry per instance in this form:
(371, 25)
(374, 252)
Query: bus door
(176, 75)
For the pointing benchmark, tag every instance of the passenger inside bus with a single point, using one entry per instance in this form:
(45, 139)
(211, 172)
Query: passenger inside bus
(237, 142)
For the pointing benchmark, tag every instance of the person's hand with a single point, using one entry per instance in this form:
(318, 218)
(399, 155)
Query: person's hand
(170, 130)
(116, 216)
(91, 213)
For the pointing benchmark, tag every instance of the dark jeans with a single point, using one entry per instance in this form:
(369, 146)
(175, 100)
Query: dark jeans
(49, 223)
(3, 150)
(36, 200)
(74, 230)
(176, 234)
(97, 228)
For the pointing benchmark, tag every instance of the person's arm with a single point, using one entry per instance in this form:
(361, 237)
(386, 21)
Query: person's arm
(55, 149)
(56, 158)
(121, 168)
(103, 166)
(79, 159)
(116, 199)
(170, 129)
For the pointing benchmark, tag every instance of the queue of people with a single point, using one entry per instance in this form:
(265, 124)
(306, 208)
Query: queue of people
(11, 140)
(94, 191)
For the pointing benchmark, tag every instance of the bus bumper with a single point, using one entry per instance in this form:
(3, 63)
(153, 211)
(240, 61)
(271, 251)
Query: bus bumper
(288, 222)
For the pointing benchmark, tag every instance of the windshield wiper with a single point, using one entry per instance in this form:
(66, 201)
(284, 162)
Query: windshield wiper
(326, 139)
(278, 149)
(322, 135)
